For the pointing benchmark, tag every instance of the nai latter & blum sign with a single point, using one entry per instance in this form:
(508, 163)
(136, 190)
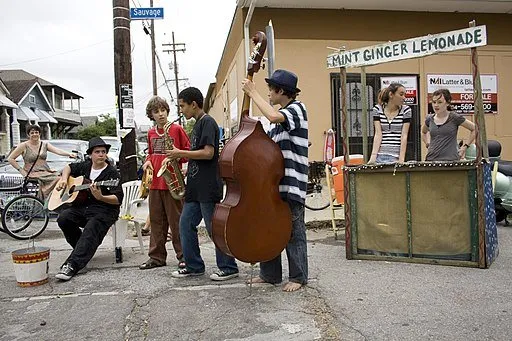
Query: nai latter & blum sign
(461, 89)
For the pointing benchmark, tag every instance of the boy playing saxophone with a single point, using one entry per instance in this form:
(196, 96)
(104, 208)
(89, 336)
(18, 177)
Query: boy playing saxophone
(164, 210)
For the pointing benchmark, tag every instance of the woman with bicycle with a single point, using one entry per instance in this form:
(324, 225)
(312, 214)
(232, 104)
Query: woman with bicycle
(35, 167)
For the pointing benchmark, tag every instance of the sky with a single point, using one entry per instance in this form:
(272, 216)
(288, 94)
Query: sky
(70, 43)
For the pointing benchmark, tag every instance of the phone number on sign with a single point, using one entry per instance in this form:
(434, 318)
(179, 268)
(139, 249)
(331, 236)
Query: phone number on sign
(469, 107)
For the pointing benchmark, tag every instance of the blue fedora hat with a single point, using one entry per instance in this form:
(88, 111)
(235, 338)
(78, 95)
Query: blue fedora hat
(284, 79)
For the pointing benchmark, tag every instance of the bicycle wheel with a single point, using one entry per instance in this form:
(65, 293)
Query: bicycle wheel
(319, 198)
(24, 217)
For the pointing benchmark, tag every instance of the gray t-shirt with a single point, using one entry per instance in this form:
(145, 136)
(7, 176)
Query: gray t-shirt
(443, 138)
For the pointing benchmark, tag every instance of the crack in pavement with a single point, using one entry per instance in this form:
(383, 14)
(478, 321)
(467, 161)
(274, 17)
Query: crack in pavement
(137, 321)
(324, 316)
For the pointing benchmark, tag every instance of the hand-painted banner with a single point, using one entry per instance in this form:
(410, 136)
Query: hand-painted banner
(410, 48)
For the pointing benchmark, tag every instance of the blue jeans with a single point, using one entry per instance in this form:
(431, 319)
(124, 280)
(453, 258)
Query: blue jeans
(190, 218)
(386, 158)
(296, 251)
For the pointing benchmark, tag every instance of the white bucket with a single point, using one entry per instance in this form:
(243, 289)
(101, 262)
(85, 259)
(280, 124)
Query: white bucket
(31, 266)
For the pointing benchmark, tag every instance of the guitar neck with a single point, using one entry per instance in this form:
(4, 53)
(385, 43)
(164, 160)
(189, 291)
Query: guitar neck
(86, 186)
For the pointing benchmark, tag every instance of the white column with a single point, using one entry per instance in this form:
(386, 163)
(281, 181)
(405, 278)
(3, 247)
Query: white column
(53, 98)
(48, 131)
(15, 129)
(6, 141)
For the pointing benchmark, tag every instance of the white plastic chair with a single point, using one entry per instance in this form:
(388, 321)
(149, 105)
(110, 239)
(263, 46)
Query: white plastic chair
(131, 198)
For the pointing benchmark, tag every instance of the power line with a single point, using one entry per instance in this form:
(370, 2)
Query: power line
(148, 32)
(57, 54)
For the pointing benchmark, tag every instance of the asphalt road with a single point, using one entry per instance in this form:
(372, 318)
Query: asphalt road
(345, 300)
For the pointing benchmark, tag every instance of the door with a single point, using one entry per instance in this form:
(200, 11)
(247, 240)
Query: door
(354, 113)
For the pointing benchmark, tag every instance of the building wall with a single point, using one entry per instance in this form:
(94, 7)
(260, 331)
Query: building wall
(302, 38)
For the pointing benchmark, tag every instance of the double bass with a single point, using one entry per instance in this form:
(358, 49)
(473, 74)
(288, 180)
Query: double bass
(252, 223)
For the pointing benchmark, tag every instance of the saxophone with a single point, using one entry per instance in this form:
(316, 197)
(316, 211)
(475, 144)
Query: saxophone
(175, 181)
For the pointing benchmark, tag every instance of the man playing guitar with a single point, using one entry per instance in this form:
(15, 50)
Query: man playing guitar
(96, 215)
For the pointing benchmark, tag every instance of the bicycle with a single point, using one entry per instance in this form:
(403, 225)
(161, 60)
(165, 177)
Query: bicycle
(24, 215)
(317, 192)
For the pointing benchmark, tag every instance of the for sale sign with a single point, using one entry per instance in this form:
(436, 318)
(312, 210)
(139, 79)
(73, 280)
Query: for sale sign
(410, 84)
(461, 88)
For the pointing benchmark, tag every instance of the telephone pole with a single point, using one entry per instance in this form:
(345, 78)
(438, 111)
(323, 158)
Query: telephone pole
(153, 48)
(123, 80)
(176, 80)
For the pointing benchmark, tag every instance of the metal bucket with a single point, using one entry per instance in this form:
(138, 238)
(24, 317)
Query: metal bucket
(31, 266)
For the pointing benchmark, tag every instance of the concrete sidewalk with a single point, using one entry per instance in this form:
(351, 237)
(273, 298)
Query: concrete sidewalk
(345, 300)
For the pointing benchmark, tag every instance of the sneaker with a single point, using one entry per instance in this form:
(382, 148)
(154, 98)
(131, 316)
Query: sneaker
(66, 272)
(185, 273)
(223, 276)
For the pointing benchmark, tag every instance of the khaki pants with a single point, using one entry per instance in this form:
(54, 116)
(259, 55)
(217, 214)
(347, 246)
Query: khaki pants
(164, 214)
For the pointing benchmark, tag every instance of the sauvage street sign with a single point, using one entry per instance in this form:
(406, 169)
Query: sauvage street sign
(146, 13)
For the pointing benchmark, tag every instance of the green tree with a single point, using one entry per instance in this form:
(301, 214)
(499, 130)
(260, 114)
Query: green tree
(109, 123)
(105, 126)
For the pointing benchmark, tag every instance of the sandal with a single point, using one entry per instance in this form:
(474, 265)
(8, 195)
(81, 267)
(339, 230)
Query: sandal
(182, 264)
(150, 264)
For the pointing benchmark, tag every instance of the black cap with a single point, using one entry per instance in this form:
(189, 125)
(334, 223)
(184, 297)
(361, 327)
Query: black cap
(97, 142)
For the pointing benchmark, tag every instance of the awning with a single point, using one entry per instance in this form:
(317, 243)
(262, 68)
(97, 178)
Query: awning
(67, 117)
(26, 114)
(45, 116)
(5, 102)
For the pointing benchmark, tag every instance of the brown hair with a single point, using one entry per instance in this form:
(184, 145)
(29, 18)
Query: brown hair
(33, 127)
(379, 95)
(445, 93)
(391, 89)
(154, 104)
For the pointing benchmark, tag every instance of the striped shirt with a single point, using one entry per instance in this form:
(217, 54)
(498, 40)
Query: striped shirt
(292, 137)
(391, 130)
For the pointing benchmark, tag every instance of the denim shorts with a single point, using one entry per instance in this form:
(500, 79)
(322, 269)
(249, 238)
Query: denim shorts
(386, 158)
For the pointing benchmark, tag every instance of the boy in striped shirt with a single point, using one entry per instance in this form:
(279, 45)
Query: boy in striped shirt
(289, 129)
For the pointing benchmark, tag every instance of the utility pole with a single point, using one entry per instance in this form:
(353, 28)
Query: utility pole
(176, 80)
(153, 48)
(123, 88)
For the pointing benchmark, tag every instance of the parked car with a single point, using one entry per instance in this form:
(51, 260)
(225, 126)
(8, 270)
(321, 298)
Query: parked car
(56, 162)
(115, 149)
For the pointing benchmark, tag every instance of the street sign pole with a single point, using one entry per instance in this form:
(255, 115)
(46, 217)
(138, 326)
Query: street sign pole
(123, 83)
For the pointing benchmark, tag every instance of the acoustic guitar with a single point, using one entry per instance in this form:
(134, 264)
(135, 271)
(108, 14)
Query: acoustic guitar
(75, 191)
